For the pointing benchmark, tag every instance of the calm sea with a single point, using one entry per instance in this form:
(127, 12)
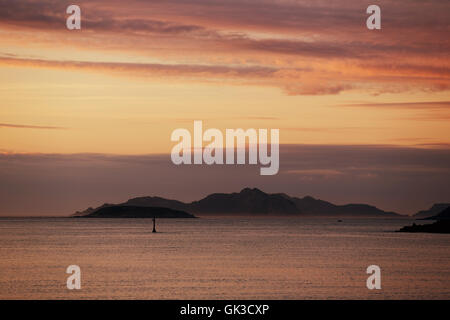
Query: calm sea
(214, 258)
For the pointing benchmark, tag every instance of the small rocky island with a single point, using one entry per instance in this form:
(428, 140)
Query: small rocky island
(119, 211)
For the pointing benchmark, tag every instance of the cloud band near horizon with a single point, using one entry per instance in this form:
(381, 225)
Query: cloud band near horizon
(401, 179)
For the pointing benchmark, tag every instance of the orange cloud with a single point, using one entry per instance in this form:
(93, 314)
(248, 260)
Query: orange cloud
(303, 48)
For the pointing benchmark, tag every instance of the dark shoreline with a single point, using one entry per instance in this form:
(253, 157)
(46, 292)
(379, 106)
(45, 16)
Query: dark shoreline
(440, 226)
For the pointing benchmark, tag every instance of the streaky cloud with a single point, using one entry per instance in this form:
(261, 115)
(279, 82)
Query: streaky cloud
(25, 126)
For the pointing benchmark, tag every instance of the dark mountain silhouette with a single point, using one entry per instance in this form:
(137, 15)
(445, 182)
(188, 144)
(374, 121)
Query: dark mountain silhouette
(441, 226)
(254, 202)
(434, 210)
(317, 207)
(123, 211)
(444, 215)
(248, 201)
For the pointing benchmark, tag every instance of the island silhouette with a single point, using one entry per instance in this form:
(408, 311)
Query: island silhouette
(249, 201)
(118, 211)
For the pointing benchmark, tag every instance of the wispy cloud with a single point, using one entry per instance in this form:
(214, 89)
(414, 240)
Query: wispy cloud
(25, 126)
(294, 81)
(148, 69)
(322, 129)
(404, 105)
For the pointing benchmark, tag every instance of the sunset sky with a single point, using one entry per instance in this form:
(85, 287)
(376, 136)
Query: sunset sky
(137, 70)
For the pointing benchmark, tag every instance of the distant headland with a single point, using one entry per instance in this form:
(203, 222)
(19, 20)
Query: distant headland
(442, 225)
(432, 211)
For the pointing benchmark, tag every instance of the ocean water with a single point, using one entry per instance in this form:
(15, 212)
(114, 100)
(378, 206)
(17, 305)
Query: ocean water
(220, 258)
